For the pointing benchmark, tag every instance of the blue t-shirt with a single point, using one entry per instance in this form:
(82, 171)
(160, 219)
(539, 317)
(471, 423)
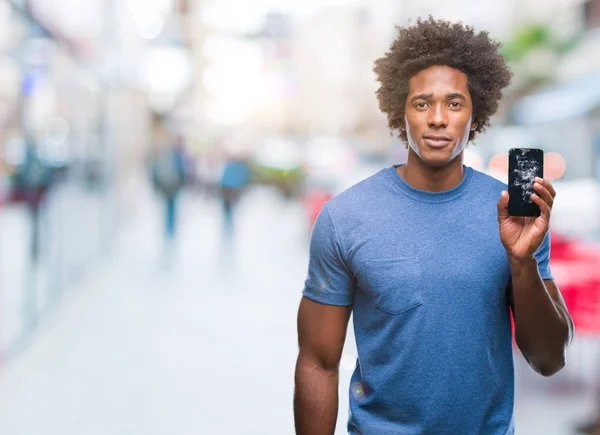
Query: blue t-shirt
(427, 276)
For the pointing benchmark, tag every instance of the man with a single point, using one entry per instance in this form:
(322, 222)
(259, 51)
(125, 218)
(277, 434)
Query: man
(429, 261)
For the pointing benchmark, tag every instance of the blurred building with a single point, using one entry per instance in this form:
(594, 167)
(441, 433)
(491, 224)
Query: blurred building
(82, 87)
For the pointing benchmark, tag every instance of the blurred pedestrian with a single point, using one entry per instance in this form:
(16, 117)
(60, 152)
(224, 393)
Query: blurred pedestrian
(32, 181)
(429, 262)
(168, 176)
(234, 180)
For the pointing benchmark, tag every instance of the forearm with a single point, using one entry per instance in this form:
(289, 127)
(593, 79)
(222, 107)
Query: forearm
(543, 328)
(315, 399)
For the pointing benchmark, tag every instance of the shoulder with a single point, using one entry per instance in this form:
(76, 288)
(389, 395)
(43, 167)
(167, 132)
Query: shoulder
(360, 195)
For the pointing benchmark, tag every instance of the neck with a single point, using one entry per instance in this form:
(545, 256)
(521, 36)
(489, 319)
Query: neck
(432, 179)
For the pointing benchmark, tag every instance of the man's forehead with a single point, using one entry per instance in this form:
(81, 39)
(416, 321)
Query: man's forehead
(438, 80)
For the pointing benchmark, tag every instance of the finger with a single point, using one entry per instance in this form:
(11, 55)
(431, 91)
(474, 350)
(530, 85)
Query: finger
(544, 207)
(542, 192)
(504, 198)
(547, 184)
(503, 204)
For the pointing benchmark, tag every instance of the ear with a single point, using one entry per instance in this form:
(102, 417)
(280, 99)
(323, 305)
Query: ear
(474, 125)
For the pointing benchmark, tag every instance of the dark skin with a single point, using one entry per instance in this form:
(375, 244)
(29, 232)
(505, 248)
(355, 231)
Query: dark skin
(321, 336)
(439, 105)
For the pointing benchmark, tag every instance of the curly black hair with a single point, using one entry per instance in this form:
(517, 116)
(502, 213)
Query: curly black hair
(440, 42)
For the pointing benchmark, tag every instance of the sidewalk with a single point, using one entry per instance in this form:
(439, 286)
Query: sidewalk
(143, 349)
(70, 231)
(206, 345)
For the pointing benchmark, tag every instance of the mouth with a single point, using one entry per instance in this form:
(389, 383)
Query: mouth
(436, 141)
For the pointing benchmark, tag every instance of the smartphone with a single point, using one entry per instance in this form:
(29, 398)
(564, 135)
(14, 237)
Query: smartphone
(524, 164)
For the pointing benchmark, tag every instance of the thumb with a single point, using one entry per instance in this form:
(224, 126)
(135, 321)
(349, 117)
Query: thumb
(503, 206)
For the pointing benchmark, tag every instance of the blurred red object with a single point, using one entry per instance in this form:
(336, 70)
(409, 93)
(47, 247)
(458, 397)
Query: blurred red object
(314, 200)
(575, 265)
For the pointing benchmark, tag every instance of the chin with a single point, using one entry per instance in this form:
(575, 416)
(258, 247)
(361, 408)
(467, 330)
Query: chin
(436, 163)
(437, 158)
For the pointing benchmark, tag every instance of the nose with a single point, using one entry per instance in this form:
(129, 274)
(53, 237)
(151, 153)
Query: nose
(438, 116)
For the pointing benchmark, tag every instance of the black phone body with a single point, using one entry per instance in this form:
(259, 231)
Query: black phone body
(524, 164)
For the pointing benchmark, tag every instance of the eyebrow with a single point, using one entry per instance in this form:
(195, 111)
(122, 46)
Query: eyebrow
(450, 96)
(421, 97)
(456, 95)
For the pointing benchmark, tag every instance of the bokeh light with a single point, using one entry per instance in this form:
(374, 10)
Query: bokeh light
(554, 166)
(498, 167)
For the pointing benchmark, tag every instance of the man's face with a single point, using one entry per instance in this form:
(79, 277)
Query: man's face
(438, 114)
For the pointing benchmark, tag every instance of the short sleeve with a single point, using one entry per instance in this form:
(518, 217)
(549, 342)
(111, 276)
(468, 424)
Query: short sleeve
(329, 281)
(542, 255)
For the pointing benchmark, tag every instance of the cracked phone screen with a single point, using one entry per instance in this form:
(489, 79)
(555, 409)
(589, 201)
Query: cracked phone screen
(524, 164)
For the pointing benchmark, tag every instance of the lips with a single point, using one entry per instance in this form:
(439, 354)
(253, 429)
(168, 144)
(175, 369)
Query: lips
(436, 141)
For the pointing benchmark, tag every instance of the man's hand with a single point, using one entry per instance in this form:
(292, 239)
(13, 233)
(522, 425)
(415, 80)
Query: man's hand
(522, 236)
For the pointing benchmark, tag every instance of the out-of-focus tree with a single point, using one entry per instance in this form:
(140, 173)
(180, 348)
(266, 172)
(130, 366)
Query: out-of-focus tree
(533, 37)
(533, 51)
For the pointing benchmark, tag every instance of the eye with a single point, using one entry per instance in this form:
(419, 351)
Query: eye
(455, 104)
(421, 105)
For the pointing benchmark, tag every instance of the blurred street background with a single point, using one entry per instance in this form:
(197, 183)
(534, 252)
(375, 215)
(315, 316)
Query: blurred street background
(162, 163)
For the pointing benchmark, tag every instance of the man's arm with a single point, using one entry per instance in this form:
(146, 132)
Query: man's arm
(321, 335)
(543, 326)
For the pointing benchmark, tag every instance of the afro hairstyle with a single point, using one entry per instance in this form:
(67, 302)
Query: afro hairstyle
(439, 42)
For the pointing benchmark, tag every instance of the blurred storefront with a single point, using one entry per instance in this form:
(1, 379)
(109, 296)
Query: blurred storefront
(67, 101)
